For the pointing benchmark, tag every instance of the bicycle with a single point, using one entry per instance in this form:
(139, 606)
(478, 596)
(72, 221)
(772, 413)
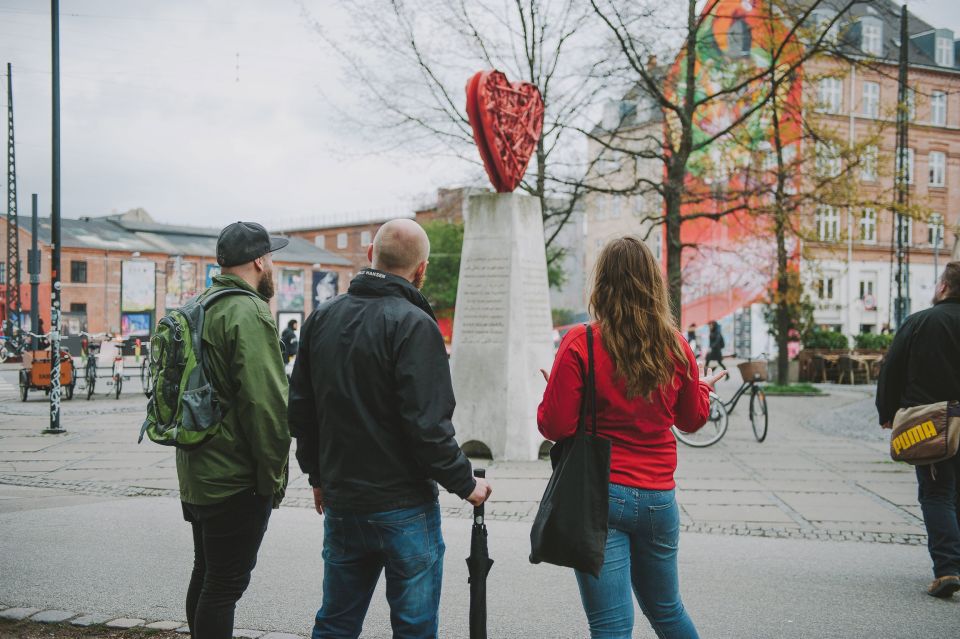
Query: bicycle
(36, 373)
(12, 345)
(90, 368)
(753, 372)
(146, 380)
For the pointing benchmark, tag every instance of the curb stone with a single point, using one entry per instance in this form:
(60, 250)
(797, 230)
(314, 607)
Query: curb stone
(183, 630)
(124, 623)
(53, 616)
(164, 625)
(18, 614)
(244, 633)
(280, 635)
(90, 620)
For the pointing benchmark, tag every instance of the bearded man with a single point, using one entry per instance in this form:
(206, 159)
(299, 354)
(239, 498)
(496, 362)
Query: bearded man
(230, 484)
(371, 404)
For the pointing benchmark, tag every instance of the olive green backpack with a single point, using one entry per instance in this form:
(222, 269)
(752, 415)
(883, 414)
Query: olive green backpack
(183, 409)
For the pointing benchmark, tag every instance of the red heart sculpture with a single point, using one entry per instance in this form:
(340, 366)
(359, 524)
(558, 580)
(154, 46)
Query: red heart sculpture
(507, 120)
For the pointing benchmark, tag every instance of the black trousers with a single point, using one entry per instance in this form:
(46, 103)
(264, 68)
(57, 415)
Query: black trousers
(939, 495)
(226, 538)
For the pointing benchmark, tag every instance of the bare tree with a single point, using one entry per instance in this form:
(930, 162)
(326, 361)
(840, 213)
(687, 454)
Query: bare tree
(411, 60)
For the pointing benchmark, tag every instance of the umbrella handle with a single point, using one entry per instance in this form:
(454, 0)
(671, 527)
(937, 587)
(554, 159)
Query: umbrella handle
(478, 511)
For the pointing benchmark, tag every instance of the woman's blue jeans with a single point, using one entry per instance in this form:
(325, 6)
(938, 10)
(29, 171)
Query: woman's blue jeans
(641, 555)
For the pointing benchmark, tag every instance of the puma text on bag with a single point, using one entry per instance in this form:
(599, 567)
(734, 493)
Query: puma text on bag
(926, 434)
(183, 409)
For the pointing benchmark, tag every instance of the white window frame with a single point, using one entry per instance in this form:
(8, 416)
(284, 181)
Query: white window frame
(938, 108)
(365, 239)
(936, 222)
(868, 164)
(830, 95)
(871, 37)
(944, 52)
(911, 104)
(910, 165)
(827, 222)
(342, 240)
(320, 241)
(937, 163)
(908, 227)
(871, 100)
(868, 226)
(866, 288)
(828, 159)
(825, 288)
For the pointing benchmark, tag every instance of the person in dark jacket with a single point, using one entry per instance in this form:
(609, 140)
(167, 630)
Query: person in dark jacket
(923, 367)
(715, 354)
(291, 343)
(371, 403)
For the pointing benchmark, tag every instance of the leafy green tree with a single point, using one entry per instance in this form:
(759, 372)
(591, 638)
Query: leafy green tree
(446, 244)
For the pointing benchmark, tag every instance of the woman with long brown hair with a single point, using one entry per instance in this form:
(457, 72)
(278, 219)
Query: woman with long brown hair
(647, 380)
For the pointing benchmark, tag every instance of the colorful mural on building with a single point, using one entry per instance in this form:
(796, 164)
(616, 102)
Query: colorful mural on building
(732, 264)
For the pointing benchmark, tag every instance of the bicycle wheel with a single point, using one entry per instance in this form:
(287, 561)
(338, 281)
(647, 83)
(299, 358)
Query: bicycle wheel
(758, 413)
(711, 432)
(118, 384)
(145, 377)
(91, 376)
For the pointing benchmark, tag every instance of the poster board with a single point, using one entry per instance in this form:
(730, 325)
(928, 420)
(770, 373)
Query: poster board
(290, 290)
(325, 286)
(138, 286)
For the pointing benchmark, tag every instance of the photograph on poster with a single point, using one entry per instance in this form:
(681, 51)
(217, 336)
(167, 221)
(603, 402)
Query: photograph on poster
(138, 286)
(290, 290)
(324, 286)
(135, 324)
(212, 271)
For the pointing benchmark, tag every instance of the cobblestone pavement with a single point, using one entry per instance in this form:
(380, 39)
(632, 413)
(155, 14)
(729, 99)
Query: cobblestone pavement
(822, 473)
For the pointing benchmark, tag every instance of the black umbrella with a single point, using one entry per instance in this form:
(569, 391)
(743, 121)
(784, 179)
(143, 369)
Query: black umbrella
(478, 564)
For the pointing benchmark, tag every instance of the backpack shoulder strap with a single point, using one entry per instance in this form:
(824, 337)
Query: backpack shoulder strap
(207, 300)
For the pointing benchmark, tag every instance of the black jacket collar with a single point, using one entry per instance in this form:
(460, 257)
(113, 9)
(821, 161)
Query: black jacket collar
(948, 300)
(373, 283)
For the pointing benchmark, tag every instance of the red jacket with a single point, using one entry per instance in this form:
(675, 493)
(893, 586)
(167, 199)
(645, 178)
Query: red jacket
(644, 451)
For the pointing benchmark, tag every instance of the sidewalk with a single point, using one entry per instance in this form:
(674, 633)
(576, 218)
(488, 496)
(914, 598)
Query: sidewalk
(804, 481)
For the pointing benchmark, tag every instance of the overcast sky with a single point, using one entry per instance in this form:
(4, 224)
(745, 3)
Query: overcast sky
(156, 113)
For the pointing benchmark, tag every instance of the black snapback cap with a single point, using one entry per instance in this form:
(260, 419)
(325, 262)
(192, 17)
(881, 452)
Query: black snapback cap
(243, 242)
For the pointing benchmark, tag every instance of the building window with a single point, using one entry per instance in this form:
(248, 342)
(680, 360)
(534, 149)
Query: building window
(3, 273)
(871, 38)
(909, 167)
(830, 95)
(938, 165)
(938, 108)
(944, 53)
(78, 272)
(78, 308)
(364, 239)
(871, 99)
(866, 288)
(828, 160)
(868, 226)
(615, 207)
(320, 241)
(868, 164)
(827, 220)
(905, 231)
(738, 39)
(911, 99)
(341, 240)
(825, 288)
(935, 230)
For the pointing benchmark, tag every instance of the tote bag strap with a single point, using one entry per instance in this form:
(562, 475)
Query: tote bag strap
(588, 404)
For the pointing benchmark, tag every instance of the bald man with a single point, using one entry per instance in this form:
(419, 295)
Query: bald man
(371, 404)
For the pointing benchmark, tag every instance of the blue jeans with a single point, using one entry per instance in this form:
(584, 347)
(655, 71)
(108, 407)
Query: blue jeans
(940, 502)
(407, 544)
(642, 554)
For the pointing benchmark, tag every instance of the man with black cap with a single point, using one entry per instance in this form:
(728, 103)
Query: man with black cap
(230, 484)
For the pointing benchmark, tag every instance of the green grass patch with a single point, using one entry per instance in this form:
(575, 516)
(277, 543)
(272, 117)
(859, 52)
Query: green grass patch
(792, 389)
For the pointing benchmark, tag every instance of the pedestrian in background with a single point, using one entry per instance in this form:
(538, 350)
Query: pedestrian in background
(921, 367)
(371, 404)
(647, 380)
(692, 340)
(291, 343)
(230, 484)
(715, 353)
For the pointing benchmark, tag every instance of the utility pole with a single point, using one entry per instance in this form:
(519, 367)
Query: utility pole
(33, 267)
(901, 221)
(55, 226)
(13, 226)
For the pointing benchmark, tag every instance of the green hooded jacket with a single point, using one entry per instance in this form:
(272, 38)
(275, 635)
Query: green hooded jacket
(245, 366)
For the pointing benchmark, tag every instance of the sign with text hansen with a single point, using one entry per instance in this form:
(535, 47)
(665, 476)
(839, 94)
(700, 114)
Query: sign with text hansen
(138, 286)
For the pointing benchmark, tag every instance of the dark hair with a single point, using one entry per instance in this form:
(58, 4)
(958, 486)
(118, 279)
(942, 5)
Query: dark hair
(951, 279)
(291, 323)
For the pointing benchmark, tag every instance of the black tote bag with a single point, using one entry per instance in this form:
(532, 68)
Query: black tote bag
(571, 524)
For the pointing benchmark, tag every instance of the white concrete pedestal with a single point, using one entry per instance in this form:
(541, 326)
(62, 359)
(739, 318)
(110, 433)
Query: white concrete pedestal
(502, 330)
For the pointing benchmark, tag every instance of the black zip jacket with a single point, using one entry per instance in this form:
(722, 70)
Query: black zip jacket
(923, 363)
(371, 400)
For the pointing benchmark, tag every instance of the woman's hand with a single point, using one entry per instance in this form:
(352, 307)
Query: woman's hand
(711, 380)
